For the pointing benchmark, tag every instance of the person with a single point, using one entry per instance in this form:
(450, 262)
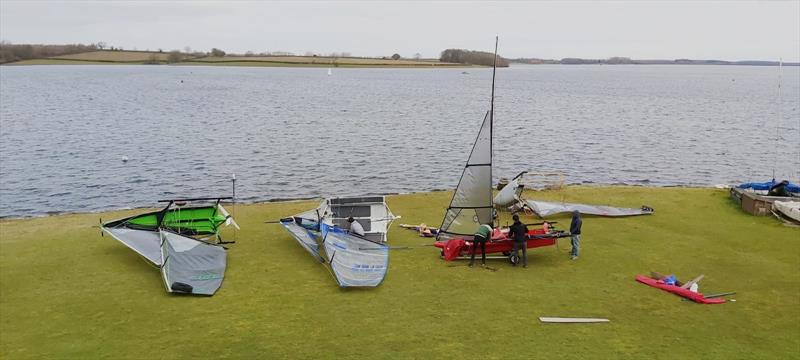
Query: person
(424, 230)
(575, 233)
(519, 233)
(481, 236)
(355, 227)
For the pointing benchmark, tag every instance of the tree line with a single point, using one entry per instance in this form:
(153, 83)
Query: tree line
(15, 52)
(471, 57)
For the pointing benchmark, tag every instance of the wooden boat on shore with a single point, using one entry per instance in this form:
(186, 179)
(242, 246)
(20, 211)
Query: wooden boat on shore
(754, 203)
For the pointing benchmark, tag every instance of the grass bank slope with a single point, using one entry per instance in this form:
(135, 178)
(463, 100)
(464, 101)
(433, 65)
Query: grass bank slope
(66, 292)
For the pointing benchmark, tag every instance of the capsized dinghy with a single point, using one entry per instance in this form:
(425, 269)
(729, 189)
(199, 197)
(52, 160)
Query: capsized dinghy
(356, 261)
(178, 240)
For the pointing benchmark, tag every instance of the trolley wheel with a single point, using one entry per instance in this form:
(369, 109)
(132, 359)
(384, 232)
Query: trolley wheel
(514, 259)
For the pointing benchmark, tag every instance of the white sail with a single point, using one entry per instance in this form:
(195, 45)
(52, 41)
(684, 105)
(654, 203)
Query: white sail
(471, 205)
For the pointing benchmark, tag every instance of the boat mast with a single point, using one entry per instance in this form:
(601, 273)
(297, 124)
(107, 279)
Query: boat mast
(778, 123)
(491, 123)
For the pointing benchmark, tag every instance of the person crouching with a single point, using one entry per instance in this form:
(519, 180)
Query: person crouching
(481, 236)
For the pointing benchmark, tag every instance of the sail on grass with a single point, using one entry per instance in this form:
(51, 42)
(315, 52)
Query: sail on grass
(191, 266)
(164, 238)
(355, 261)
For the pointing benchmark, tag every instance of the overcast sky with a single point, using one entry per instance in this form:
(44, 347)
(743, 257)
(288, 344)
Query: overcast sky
(726, 30)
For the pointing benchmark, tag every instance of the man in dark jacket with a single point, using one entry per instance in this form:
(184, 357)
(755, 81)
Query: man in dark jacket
(518, 232)
(575, 232)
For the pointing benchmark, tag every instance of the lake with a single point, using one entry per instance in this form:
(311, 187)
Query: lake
(297, 132)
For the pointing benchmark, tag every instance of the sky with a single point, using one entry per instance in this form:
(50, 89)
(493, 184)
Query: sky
(724, 30)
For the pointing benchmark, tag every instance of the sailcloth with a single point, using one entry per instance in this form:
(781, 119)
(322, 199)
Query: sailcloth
(191, 266)
(471, 205)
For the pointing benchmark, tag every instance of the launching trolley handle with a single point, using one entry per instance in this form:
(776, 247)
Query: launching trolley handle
(197, 199)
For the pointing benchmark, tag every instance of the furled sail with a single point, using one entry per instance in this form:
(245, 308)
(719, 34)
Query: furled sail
(471, 205)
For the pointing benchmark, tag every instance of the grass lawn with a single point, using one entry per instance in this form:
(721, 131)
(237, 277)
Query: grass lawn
(66, 292)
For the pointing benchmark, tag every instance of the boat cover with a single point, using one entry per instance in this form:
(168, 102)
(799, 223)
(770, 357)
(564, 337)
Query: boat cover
(191, 266)
(545, 208)
(765, 186)
(355, 261)
(677, 290)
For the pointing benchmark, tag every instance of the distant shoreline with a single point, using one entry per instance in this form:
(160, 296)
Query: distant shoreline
(162, 58)
(127, 57)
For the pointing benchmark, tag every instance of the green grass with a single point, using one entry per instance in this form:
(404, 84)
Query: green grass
(66, 292)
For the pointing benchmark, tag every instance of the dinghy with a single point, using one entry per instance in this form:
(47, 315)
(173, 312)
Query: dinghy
(183, 242)
(355, 261)
(471, 205)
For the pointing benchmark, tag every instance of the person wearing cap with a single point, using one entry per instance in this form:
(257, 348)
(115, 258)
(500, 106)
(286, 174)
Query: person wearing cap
(355, 227)
(518, 232)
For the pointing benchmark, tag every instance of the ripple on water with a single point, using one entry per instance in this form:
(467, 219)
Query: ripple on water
(644, 125)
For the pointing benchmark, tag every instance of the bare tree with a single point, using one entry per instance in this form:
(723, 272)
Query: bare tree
(396, 56)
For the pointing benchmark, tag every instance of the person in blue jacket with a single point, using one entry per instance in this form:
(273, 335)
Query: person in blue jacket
(575, 233)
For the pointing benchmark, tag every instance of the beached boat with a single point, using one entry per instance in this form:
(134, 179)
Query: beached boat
(758, 198)
(356, 261)
(183, 242)
(787, 210)
(471, 205)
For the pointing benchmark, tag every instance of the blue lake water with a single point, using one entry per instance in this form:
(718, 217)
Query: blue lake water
(297, 132)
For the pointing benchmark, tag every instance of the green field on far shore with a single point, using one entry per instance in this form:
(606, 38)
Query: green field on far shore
(144, 57)
(67, 292)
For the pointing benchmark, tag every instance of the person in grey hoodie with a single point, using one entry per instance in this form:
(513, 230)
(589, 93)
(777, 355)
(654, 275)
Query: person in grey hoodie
(575, 233)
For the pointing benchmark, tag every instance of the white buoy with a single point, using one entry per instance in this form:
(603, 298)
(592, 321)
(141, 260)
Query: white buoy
(329, 72)
(124, 159)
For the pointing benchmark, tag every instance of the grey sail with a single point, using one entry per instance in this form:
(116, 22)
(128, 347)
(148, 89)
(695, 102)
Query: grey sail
(356, 261)
(471, 205)
(545, 208)
(191, 266)
(146, 243)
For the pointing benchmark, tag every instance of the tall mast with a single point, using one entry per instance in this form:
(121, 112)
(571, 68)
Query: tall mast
(491, 123)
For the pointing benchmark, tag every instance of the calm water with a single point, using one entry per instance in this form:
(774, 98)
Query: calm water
(292, 132)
